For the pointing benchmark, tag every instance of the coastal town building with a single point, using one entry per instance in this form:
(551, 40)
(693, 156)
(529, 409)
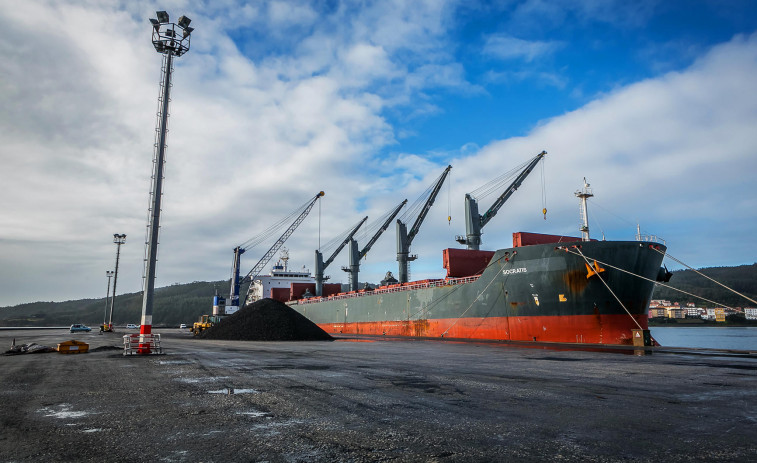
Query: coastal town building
(750, 313)
(694, 312)
(717, 314)
(655, 312)
(675, 312)
(660, 303)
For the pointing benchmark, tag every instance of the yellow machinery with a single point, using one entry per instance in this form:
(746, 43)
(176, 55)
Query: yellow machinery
(205, 322)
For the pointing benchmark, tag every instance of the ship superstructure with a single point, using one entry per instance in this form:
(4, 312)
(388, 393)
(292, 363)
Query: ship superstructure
(281, 281)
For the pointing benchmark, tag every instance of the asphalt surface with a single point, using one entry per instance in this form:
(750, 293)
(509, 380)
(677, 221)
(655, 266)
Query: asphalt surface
(219, 401)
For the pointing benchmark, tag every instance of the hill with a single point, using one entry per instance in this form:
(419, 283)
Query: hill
(742, 278)
(172, 305)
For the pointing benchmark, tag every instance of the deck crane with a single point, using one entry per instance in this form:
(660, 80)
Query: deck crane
(474, 222)
(320, 265)
(405, 238)
(238, 251)
(355, 255)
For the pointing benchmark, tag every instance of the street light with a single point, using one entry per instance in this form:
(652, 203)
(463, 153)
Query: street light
(169, 43)
(119, 240)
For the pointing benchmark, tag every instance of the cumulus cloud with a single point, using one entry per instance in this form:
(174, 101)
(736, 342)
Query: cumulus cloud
(261, 120)
(674, 152)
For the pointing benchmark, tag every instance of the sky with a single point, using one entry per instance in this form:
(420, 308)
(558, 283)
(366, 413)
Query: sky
(653, 102)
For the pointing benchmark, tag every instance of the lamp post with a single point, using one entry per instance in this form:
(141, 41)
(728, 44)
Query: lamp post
(109, 274)
(170, 40)
(119, 240)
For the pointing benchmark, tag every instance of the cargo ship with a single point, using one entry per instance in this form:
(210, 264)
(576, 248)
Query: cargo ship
(555, 291)
(545, 288)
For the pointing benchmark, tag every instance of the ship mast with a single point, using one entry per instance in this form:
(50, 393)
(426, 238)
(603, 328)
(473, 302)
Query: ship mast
(583, 195)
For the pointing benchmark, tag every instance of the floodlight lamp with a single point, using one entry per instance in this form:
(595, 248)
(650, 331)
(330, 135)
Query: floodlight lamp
(187, 31)
(162, 16)
(184, 22)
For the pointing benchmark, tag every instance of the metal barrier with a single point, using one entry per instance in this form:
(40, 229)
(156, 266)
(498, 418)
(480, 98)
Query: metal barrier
(142, 343)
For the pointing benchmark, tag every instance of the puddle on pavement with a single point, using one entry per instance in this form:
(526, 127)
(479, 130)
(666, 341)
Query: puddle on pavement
(63, 411)
(201, 380)
(231, 390)
(255, 414)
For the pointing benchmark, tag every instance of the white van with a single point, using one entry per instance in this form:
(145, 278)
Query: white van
(132, 326)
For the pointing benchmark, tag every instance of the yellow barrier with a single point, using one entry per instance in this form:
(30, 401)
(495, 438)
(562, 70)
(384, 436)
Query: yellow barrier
(73, 347)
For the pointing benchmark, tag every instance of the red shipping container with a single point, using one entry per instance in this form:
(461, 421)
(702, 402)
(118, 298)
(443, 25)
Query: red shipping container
(298, 289)
(329, 289)
(280, 294)
(465, 262)
(528, 239)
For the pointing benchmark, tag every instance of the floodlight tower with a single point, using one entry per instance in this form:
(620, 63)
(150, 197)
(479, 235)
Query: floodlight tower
(109, 274)
(119, 240)
(170, 40)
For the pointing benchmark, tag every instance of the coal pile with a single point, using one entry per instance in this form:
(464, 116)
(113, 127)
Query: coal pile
(266, 320)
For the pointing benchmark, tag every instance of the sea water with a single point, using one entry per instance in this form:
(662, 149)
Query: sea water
(711, 337)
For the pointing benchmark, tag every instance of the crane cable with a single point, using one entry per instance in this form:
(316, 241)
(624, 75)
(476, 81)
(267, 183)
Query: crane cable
(265, 234)
(336, 241)
(449, 199)
(543, 192)
(495, 185)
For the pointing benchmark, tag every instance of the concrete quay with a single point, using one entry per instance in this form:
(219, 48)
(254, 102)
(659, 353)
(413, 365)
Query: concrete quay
(371, 400)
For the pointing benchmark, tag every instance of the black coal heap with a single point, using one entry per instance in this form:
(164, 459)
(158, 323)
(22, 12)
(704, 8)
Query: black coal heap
(266, 320)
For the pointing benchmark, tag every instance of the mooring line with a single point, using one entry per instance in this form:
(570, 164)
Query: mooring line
(611, 291)
(649, 279)
(711, 279)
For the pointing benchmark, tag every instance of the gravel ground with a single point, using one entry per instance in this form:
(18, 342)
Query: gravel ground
(266, 320)
(357, 400)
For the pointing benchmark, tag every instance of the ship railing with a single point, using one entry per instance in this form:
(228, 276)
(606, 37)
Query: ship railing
(649, 238)
(393, 289)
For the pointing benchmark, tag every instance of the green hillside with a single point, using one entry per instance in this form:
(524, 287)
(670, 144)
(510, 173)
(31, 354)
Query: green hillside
(742, 278)
(172, 305)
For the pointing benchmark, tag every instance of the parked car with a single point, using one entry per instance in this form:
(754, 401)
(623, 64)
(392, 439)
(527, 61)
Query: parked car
(183, 326)
(79, 327)
(132, 326)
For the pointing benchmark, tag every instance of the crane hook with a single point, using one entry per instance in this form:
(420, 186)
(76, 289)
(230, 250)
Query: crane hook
(544, 211)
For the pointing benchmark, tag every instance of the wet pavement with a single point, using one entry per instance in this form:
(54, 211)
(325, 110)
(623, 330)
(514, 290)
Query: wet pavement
(360, 400)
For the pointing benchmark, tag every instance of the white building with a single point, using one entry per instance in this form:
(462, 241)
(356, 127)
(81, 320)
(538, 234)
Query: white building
(694, 311)
(750, 313)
